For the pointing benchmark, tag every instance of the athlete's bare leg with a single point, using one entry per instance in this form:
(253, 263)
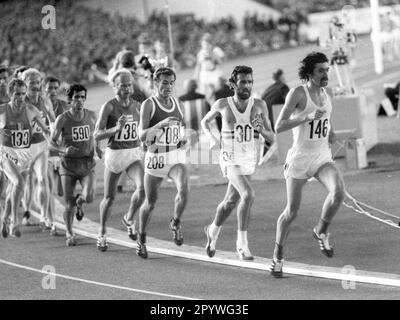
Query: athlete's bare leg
(178, 174)
(15, 190)
(227, 205)
(69, 184)
(330, 176)
(88, 183)
(151, 185)
(294, 188)
(110, 189)
(246, 192)
(135, 172)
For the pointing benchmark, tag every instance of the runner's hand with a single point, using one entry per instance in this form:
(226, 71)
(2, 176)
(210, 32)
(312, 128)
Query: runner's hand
(121, 122)
(71, 150)
(318, 114)
(214, 143)
(167, 122)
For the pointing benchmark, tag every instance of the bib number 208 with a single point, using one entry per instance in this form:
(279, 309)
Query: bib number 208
(155, 162)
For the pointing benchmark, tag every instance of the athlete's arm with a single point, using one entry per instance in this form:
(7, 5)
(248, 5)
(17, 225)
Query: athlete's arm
(146, 133)
(34, 115)
(332, 136)
(262, 123)
(100, 131)
(55, 135)
(49, 109)
(293, 99)
(205, 122)
(96, 142)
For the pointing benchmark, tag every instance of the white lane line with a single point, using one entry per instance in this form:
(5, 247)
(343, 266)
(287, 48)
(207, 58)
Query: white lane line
(96, 282)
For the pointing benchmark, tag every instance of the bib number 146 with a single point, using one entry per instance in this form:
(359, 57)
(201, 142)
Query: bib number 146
(320, 130)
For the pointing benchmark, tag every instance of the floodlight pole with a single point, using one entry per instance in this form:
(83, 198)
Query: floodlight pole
(376, 36)
(171, 43)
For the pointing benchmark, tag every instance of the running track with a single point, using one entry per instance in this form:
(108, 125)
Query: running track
(164, 277)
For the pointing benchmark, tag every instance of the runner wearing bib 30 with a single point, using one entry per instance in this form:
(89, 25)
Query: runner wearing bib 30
(16, 118)
(161, 128)
(118, 121)
(76, 128)
(243, 120)
(307, 111)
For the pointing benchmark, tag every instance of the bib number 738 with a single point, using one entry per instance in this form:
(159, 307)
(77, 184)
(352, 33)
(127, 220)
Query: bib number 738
(318, 129)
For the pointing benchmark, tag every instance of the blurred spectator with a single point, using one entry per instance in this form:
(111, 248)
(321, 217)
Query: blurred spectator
(275, 93)
(390, 104)
(222, 90)
(4, 77)
(209, 59)
(195, 105)
(51, 88)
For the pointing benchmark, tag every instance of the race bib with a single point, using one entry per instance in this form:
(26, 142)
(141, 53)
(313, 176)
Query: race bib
(319, 129)
(155, 161)
(81, 133)
(243, 133)
(128, 133)
(170, 135)
(20, 138)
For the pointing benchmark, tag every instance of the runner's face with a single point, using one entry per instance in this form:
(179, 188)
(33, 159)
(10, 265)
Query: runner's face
(3, 81)
(165, 84)
(52, 89)
(320, 74)
(123, 86)
(18, 97)
(78, 100)
(244, 85)
(34, 85)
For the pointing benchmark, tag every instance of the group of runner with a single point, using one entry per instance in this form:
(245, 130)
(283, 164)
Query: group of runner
(149, 143)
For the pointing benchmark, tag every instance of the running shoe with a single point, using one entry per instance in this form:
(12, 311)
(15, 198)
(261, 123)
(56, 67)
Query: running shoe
(244, 253)
(131, 228)
(79, 212)
(14, 230)
(5, 228)
(53, 230)
(141, 249)
(176, 229)
(44, 224)
(210, 246)
(71, 241)
(25, 218)
(102, 243)
(323, 241)
(276, 268)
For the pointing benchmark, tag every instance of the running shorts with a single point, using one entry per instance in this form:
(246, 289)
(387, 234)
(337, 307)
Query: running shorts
(159, 164)
(303, 164)
(119, 160)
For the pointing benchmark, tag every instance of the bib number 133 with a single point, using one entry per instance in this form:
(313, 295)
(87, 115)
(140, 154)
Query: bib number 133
(318, 129)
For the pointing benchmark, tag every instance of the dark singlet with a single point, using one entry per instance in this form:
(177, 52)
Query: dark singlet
(79, 134)
(170, 138)
(59, 107)
(20, 130)
(128, 137)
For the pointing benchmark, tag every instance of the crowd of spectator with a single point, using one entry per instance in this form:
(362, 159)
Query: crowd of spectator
(84, 36)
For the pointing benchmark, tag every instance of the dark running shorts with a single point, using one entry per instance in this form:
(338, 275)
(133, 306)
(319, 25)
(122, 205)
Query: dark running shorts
(77, 167)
